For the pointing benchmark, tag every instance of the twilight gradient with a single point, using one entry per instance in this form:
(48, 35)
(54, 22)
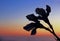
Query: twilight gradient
(13, 12)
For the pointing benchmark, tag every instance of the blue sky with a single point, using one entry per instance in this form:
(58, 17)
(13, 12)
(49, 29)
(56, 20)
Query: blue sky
(20, 8)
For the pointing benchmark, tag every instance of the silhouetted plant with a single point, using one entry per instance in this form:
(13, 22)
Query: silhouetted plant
(42, 15)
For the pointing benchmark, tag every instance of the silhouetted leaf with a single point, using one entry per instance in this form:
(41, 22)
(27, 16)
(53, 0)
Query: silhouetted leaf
(29, 27)
(33, 32)
(31, 17)
(48, 9)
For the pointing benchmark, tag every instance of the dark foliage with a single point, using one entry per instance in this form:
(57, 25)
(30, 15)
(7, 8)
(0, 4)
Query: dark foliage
(43, 15)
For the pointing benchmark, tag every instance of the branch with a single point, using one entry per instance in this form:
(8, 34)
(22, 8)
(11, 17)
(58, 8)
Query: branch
(57, 38)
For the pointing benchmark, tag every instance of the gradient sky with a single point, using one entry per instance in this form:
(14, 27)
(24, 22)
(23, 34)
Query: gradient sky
(13, 12)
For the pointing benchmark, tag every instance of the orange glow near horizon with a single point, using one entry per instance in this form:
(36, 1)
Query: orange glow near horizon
(17, 30)
(22, 32)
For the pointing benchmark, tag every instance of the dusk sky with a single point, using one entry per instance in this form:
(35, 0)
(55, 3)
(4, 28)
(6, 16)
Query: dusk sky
(13, 16)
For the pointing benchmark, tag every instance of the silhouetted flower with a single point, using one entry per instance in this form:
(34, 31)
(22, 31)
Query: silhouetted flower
(42, 15)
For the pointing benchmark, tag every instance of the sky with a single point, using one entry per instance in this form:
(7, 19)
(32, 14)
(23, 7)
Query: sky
(13, 16)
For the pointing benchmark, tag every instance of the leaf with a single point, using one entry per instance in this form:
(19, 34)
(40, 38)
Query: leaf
(29, 27)
(33, 32)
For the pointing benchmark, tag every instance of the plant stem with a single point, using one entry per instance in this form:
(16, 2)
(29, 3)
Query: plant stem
(57, 38)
